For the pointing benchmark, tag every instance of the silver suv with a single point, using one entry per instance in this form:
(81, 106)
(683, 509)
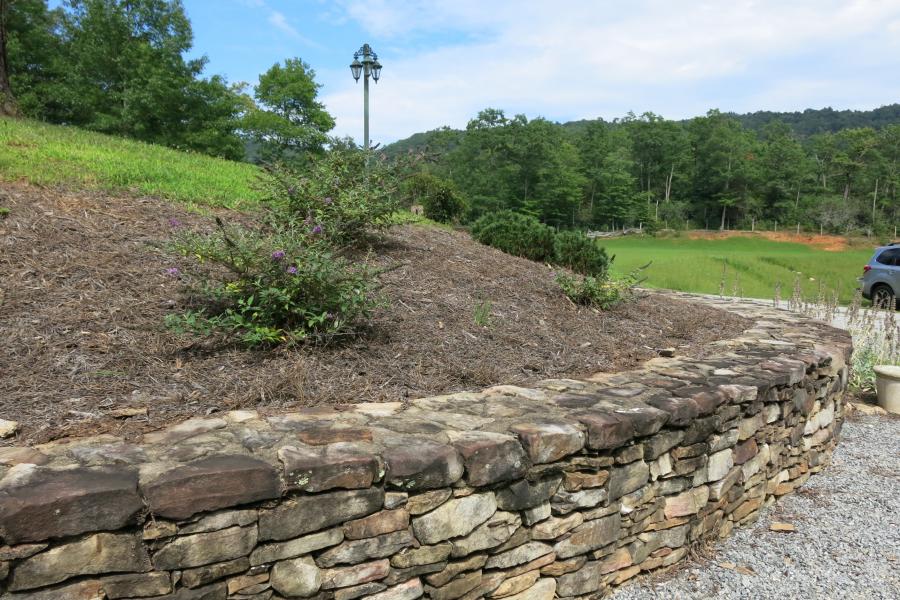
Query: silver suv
(881, 277)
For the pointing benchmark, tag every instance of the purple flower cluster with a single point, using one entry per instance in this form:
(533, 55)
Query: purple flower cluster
(174, 223)
(173, 271)
(278, 255)
(317, 230)
(291, 270)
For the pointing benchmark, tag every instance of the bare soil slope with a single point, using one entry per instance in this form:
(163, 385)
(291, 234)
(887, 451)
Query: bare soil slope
(84, 294)
(829, 243)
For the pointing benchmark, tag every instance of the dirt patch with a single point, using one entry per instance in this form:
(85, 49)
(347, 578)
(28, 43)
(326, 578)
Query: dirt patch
(829, 243)
(85, 294)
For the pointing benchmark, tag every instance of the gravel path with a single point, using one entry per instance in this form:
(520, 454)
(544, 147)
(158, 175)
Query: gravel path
(847, 543)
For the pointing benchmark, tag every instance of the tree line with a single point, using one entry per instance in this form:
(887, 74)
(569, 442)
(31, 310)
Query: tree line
(119, 67)
(647, 171)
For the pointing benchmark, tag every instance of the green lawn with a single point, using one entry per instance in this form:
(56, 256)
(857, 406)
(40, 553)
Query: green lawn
(55, 155)
(756, 265)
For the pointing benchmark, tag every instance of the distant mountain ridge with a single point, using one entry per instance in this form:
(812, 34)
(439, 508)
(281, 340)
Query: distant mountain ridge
(805, 123)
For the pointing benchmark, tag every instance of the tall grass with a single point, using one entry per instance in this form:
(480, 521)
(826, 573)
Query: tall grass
(57, 155)
(876, 341)
(875, 331)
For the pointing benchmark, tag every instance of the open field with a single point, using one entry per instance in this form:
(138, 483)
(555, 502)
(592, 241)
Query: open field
(54, 155)
(752, 266)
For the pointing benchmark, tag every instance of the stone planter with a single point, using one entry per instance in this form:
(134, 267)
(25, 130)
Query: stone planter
(887, 383)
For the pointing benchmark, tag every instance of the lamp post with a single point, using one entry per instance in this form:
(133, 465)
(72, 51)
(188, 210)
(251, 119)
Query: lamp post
(365, 63)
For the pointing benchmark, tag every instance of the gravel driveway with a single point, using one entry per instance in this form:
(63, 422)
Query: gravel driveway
(847, 539)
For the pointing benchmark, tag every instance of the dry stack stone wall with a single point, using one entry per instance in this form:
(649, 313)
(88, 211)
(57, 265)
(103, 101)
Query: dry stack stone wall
(561, 490)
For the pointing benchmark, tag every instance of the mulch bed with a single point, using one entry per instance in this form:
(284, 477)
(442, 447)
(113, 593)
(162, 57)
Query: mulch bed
(84, 295)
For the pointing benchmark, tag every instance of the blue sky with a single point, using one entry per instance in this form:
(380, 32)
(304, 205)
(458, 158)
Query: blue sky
(445, 60)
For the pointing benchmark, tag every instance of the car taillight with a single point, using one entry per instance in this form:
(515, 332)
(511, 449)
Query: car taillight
(866, 269)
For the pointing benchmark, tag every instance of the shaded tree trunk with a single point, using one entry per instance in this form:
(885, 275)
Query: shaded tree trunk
(8, 105)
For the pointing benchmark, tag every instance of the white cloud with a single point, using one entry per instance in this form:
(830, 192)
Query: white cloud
(280, 22)
(569, 59)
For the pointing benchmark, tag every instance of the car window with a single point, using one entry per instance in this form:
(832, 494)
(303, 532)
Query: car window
(889, 257)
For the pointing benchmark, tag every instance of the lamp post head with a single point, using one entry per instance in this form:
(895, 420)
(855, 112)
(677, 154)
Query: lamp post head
(376, 70)
(365, 62)
(356, 68)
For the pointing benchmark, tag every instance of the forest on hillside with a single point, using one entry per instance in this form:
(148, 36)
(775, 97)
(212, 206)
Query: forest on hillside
(120, 67)
(643, 170)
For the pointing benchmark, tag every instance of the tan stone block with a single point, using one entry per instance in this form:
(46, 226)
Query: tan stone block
(92, 555)
(427, 501)
(353, 575)
(544, 589)
(386, 521)
(515, 585)
(626, 574)
(456, 588)
(556, 526)
(687, 503)
(453, 569)
(578, 480)
(619, 559)
(561, 567)
(746, 508)
(537, 563)
(423, 555)
(236, 584)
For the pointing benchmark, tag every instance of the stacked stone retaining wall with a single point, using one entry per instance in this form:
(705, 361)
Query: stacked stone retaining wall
(565, 489)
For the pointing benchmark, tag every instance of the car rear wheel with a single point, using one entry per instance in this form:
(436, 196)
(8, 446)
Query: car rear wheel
(883, 297)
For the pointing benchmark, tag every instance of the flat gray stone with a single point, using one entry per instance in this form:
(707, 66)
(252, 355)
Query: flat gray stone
(357, 551)
(422, 465)
(589, 536)
(210, 484)
(454, 518)
(297, 577)
(306, 514)
(96, 554)
(628, 478)
(490, 457)
(205, 548)
(548, 441)
(39, 503)
(526, 494)
(268, 553)
(320, 468)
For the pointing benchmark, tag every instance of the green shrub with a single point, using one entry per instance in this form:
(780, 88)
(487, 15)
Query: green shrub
(338, 196)
(439, 198)
(516, 234)
(578, 252)
(600, 292)
(482, 313)
(265, 287)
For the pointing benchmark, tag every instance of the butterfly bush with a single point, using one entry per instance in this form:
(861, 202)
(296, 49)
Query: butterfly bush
(341, 196)
(297, 274)
(264, 286)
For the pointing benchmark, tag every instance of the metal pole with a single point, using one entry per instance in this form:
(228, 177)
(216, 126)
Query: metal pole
(366, 109)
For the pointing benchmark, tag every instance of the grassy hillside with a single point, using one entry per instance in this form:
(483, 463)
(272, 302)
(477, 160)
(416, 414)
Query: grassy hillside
(756, 265)
(55, 155)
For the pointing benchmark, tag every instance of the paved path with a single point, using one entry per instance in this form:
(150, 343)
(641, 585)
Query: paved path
(847, 543)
